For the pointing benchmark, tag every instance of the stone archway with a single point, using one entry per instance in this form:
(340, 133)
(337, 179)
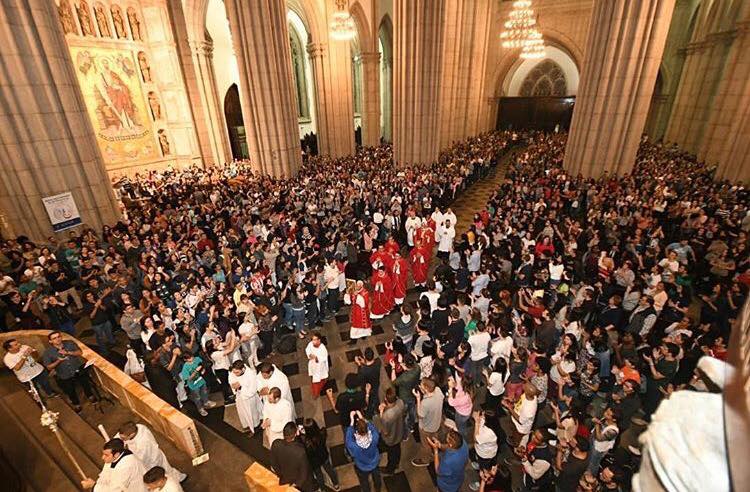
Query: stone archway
(235, 123)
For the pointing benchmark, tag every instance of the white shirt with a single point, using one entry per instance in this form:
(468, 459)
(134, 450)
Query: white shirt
(567, 365)
(501, 347)
(556, 271)
(485, 443)
(480, 343)
(171, 486)
(475, 260)
(496, 383)
(432, 297)
(317, 369)
(526, 413)
(30, 368)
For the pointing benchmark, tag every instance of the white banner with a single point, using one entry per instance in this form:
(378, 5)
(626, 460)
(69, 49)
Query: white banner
(62, 211)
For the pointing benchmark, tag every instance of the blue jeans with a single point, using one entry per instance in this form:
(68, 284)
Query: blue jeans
(67, 327)
(287, 314)
(595, 460)
(104, 336)
(42, 381)
(199, 396)
(461, 421)
(410, 417)
(298, 319)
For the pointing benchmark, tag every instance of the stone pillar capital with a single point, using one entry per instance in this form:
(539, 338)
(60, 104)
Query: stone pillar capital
(370, 57)
(204, 47)
(316, 50)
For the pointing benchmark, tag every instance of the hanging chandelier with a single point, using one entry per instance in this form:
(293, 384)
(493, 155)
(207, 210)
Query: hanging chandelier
(521, 32)
(342, 24)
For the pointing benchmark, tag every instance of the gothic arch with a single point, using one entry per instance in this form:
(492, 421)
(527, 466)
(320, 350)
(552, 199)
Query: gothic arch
(510, 61)
(363, 31)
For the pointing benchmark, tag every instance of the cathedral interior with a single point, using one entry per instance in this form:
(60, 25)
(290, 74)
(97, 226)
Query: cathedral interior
(98, 94)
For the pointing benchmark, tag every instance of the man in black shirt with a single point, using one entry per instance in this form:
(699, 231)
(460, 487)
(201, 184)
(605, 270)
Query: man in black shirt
(290, 462)
(353, 398)
(62, 284)
(369, 373)
(63, 359)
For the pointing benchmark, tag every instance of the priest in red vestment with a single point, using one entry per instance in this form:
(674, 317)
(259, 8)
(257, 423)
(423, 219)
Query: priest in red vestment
(391, 246)
(400, 277)
(382, 293)
(360, 326)
(419, 265)
(378, 258)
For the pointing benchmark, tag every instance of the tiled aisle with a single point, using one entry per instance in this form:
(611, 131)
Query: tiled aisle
(342, 358)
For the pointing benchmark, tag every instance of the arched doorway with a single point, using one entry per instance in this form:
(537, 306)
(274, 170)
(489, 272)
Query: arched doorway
(539, 94)
(235, 123)
(385, 47)
(299, 37)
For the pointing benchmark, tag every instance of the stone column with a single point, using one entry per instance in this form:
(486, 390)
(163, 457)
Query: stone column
(623, 51)
(370, 99)
(727, 137)
(386, 96)
(334, 100)
(705, 57)
(465, 40)
(47, 143)
(195, 49)
(418, 47)
(215, 127)
(261, 42)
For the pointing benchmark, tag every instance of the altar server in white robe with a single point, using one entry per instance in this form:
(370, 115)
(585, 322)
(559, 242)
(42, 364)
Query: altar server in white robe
(122, 471)
(157, 481)
(244, 383)
(272, 377)
(141, 442)
(317, 363)
(276, 414)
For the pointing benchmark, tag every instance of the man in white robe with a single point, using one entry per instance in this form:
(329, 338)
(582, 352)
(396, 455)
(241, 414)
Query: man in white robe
(412, 224)
(157, 480)
(317, 363)
(244, 383)
(122, 471)
(272, 377)
(276, 414)
(141, 442)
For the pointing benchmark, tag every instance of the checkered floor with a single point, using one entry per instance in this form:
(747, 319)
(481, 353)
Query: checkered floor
(225, 422)
(342, 362)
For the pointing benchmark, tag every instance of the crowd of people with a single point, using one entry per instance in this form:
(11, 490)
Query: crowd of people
(545, 335)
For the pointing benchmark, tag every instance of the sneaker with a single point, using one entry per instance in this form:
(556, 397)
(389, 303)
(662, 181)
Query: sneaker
(474, 486)
(203, 412)
(475, 465)
(210, 404)
(418, 462)
(336, 487)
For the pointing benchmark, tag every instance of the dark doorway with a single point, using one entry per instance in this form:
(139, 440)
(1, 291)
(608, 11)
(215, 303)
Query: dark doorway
(235, 124)
(536, 113)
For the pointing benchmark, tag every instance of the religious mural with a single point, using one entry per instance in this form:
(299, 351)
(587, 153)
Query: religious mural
(115, 101)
